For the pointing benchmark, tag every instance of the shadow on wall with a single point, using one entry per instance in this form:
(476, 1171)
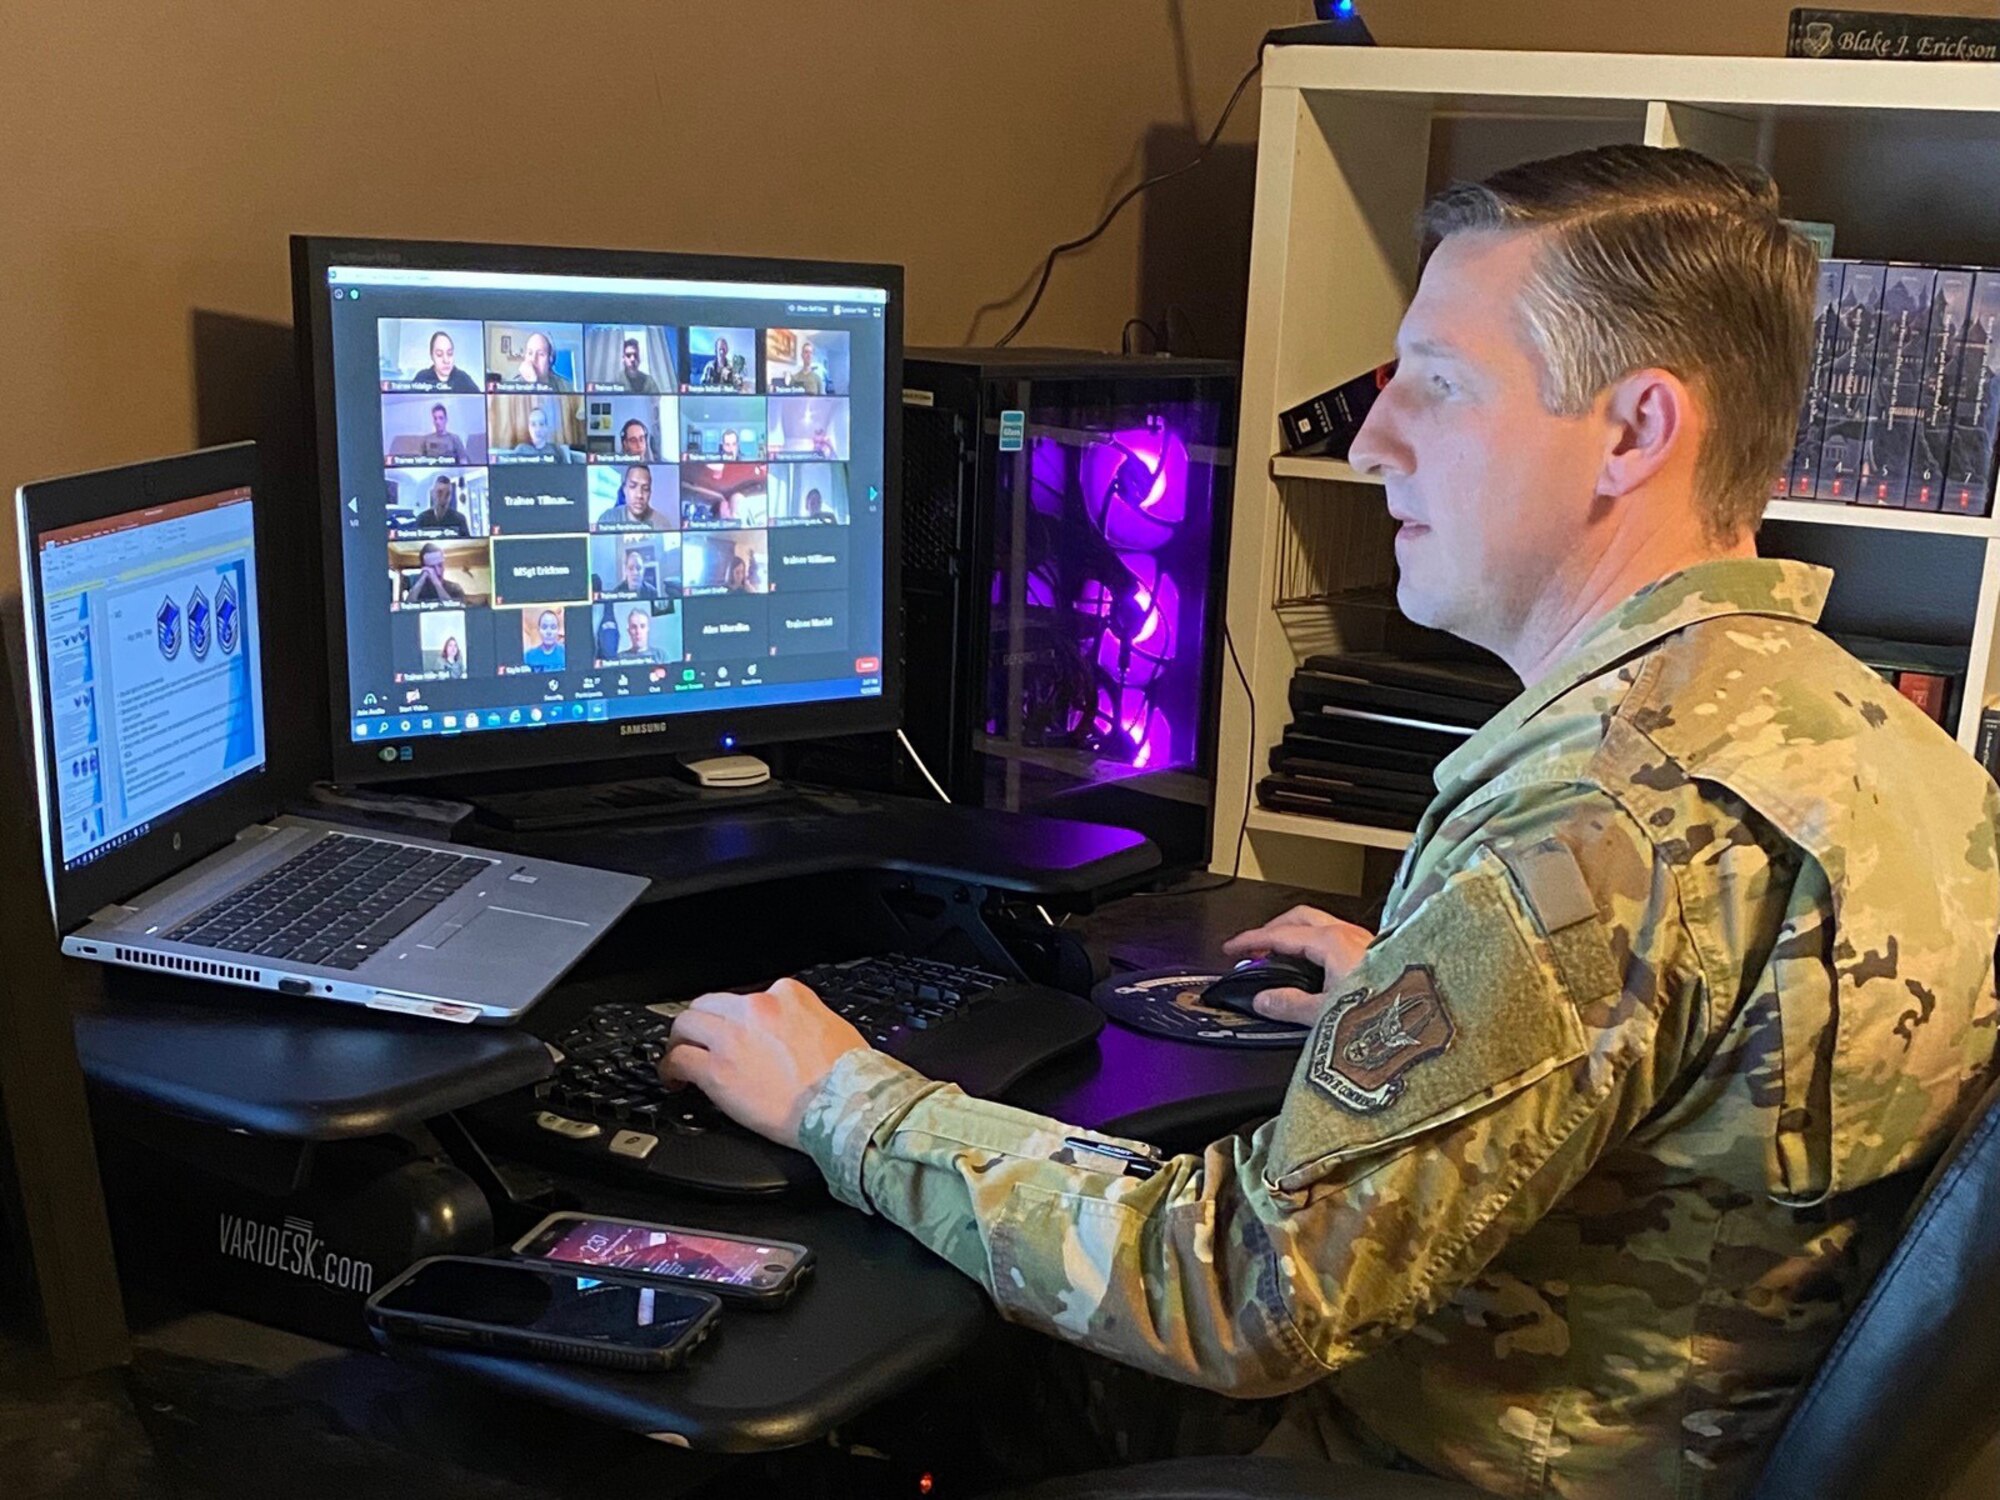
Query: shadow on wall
(246, 385)
(1194, 242)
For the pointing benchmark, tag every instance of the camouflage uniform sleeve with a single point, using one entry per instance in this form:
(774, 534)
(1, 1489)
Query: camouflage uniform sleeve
(1484, 1054)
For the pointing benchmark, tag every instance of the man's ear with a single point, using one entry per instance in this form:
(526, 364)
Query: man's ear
(1650, 422)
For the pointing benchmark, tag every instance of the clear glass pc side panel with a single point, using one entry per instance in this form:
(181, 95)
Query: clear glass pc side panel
(1100, 665)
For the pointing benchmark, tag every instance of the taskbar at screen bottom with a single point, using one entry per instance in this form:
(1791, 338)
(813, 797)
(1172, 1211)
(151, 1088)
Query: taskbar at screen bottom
(679, 698)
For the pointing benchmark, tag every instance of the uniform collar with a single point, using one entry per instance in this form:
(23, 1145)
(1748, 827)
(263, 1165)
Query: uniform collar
(1729, 586)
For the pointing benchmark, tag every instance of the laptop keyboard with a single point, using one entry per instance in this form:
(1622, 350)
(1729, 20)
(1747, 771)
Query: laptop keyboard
(335, 904)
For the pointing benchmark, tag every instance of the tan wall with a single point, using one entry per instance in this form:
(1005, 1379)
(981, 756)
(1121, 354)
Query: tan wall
(154, 156)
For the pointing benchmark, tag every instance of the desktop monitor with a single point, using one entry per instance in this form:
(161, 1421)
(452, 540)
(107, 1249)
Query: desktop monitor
(588, 503)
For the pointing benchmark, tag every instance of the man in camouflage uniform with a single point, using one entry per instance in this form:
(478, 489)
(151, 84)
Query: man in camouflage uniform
(1688, 971)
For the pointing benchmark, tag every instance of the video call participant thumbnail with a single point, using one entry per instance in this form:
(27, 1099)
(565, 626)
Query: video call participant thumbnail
(726, 628)
(537, 570)
(544, 647)
(536, 429)
(543, 638)
(433, 430)
(634, 497)
(809, 494)
(718, 496)
(425, 575)
(809, 624)
(809, 559)
(726, 562)
(722, 429)
(541, 357)
(441, 636)
(436, 503)
(629, 359)
(440, 645)
(721, 359)
(635, 565)
(806, 362)
(423, 354)
(629, 429)
(638, 633)
(809, 427)
(539, 498)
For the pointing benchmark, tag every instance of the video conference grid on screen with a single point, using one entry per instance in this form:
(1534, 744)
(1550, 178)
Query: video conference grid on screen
(584, 498)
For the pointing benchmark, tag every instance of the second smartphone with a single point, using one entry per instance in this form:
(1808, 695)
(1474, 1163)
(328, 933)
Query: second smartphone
(763, 1273)
(544, 1312)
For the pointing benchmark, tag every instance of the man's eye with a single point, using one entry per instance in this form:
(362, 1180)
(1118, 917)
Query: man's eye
(1439, 386)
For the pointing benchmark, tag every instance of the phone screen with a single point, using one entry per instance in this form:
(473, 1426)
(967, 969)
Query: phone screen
(707, 1258)
(551, 1301)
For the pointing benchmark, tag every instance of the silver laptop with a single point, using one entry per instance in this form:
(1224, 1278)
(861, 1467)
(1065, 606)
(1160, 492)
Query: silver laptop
(148, 677)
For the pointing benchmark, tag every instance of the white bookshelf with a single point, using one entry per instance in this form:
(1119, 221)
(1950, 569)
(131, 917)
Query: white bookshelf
(1324, 830)
(1350, 141)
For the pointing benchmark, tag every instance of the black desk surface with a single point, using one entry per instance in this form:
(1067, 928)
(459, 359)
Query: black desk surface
(882, 1312)
(900, 1312)
(272, 1064)
(1179, 1095)
(879, 1314)
(277, 1065)
(792, 833)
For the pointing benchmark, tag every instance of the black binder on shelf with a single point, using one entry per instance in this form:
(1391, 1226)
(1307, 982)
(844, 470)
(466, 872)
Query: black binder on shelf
(1369, 732)
(1346, 803)
(1324, 762)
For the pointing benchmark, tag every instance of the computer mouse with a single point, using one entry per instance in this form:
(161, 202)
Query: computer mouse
(1276, 971)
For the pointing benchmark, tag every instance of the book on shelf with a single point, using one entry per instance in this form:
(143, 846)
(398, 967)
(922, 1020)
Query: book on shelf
(1930, 691)
(1986, 745)
(1850, 374)
(1324, 426)
(1901, 331)
(1819, 231)
(1891, 36)
(1968, 489)
(1797, 477)
(1930, 676)
(1944, 347)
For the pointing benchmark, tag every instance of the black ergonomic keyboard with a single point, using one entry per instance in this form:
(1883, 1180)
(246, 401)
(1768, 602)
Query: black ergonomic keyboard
(335, 903)
(607, 1109)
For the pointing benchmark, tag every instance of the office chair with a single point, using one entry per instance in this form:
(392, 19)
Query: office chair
(1905, 1400)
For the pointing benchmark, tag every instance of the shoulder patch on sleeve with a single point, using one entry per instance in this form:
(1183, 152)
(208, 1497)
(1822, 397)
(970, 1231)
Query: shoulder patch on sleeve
(1465, 1002)
(1370, 1039)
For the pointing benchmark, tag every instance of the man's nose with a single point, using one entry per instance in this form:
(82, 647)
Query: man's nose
(1377, 450)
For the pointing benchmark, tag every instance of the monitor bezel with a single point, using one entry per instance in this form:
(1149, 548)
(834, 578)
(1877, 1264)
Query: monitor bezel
(212, 820)
(682, 731)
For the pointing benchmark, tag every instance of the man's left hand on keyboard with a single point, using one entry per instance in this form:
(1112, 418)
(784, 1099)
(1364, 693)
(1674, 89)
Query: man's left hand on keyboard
(761, 1057)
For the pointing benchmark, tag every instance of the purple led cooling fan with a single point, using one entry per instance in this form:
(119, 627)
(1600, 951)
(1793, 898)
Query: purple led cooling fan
(1099, 654)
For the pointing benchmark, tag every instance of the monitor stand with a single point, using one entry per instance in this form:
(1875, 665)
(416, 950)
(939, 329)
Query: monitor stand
(728, 771)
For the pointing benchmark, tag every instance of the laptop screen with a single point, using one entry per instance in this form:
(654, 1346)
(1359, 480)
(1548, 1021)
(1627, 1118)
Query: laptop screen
(149, 666)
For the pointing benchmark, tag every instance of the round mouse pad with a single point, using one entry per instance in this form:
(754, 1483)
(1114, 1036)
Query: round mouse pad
(1167, 1002)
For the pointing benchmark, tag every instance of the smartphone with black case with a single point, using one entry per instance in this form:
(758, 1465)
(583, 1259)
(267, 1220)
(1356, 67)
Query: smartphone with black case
(760, 1272)
(544, 1312)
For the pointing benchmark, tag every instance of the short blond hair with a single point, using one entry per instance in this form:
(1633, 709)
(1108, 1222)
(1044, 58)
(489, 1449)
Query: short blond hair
(1662, 259)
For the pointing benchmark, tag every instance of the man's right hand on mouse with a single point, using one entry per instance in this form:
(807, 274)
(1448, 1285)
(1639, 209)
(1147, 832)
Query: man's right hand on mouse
(1305, 932)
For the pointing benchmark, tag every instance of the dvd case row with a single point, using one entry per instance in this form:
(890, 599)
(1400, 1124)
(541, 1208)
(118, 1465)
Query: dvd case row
(1902, 402)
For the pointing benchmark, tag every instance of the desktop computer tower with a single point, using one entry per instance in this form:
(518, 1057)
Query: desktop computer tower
(1065, 536)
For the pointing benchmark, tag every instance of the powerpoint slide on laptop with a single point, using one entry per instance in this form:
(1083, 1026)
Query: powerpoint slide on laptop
(152, 665)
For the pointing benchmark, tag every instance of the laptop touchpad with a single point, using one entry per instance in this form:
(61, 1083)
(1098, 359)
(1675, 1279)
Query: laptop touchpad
(501, 929)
